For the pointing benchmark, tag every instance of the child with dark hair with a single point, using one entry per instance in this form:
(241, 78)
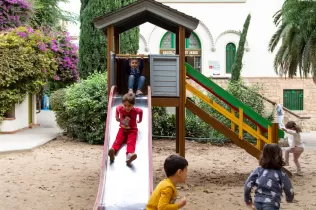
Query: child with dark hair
(269, 181)
(126, 114)
(296, 145)
(134, 69)
(165, 193)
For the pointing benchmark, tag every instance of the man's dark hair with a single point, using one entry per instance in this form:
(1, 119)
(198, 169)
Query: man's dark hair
(173, 163)
(271, 157)
(130, 97)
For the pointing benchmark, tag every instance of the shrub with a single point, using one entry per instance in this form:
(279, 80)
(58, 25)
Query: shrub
(14, 13)
(25, 65)
(163, 123)
(57, 100)
(84, 110)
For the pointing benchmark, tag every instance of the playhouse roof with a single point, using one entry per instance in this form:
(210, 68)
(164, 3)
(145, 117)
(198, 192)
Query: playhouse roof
(143, 11)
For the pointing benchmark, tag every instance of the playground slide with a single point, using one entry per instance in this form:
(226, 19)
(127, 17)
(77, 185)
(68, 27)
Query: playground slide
(228, 98)
(121, 186)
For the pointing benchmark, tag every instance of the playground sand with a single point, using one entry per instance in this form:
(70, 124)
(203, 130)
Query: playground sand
(64, 174)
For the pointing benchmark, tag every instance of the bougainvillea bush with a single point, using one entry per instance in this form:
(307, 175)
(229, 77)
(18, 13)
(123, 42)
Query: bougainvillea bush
(66, 54)
(26, 62)
(14, 13)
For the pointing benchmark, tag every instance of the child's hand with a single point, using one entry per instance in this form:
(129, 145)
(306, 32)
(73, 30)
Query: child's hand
(182, 202)
(139, 121)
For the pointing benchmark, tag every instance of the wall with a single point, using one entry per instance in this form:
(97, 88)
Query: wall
(21, 117)
(220, 24)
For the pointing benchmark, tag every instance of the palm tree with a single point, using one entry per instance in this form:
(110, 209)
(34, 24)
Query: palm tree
(296, 23)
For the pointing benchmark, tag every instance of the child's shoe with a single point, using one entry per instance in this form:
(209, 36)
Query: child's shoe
(139, 92)
(130, 157)
(111, 154)
(299, 173)
(130, 91)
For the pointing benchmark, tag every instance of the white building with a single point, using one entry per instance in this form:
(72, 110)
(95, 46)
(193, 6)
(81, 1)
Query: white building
(22, 116)
(212, 47)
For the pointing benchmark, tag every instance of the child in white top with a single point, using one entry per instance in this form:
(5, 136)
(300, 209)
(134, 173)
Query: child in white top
(296, 145)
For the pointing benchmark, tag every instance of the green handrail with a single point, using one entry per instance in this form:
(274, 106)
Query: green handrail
(228, 98)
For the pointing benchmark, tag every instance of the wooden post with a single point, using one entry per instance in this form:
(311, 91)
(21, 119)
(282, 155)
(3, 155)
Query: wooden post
(177, 130)
(259, 141)
(117, 42)
(270, 134)
(233, 125)
(275, 133)
(241, 121)
(182, 93)
(177, 108)
(110, 39)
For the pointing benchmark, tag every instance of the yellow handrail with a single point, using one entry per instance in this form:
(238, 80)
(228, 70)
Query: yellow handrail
(231, 116)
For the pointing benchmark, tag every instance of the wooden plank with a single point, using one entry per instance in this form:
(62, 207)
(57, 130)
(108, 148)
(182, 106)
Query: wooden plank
(165, 84)
(165, 68)
(182, 90)
(275, 134)
(233, 125)
(165, 73)
(260, 143)
(164, 89)
(164, 79)
(177, 130)
(117, 42)
(223, 129)
(241, 122)
(110, 38)
(165, 102)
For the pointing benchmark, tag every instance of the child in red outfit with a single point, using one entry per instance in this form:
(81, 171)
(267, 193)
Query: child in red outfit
(126, 114)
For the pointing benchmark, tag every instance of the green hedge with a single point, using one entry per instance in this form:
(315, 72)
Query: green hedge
(81, 109)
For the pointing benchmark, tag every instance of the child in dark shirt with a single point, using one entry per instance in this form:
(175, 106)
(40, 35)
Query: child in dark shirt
(269, 181)
(134, 68)
(126, 114)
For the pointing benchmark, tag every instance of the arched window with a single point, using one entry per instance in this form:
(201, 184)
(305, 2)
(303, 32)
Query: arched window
(192, 48)
(230, 57)
(168, 41)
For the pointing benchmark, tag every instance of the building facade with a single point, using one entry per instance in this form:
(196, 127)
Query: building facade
(212, 47)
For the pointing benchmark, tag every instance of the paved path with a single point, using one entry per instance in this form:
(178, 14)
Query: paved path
(29, 139)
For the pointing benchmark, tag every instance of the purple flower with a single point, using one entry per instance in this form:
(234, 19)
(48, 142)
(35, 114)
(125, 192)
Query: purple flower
(56, 77)
(30, 30)
(41, 46)
(22, 34)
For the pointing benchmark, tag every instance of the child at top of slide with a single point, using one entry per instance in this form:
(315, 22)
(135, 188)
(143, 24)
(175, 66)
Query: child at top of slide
(269, 181)
(134, 68)
(126, 114)
(165, 194)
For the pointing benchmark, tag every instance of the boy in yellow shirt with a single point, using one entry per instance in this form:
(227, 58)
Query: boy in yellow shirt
(165, 194)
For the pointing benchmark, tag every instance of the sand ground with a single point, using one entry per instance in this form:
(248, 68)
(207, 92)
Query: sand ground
(64, 174)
